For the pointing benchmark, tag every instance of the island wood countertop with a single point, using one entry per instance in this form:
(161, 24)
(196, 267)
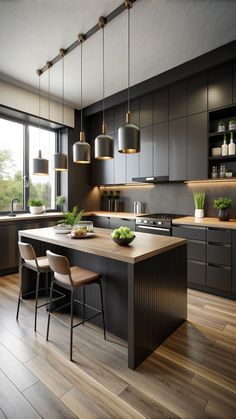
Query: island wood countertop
(143, 247)
(205, 222)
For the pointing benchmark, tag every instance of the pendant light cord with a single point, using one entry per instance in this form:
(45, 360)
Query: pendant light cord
(103, 78)
(128, 56)
(81, 93)
(39, 122)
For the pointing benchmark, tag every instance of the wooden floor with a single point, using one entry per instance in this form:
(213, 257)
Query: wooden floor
(192, 375)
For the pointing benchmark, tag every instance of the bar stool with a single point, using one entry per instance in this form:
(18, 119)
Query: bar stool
(71, 278)
(37, 264)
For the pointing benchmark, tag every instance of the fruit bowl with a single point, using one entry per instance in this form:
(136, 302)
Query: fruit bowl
(123, 242)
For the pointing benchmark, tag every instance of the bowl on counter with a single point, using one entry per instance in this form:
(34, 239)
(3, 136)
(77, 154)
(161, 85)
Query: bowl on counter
(228, 174)
(123, 242)
(216, 151)
(62, 229)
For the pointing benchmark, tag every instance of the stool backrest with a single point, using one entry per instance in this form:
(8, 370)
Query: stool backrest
(26, 251)
(60, 266)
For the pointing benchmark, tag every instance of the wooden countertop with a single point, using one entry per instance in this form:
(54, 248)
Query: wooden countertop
(205, 222)
(28, 216)
(127, 215)
(143, 247)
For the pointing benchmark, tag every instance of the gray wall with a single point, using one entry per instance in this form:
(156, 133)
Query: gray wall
(175, 197)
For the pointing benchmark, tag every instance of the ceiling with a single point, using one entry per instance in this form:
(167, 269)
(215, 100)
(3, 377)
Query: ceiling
(164, 34)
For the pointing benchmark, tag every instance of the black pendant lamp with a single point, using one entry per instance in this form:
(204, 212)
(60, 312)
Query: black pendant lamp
(129, 134)
(81, 149)
(104, 145)
(40, 165)
(59, 158)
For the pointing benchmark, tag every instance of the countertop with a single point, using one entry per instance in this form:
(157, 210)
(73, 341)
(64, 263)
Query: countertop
(28, 216)
(143, 247)
(205, 222)
(112, 214)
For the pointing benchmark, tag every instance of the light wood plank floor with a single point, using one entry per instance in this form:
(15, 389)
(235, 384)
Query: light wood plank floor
(191, 375)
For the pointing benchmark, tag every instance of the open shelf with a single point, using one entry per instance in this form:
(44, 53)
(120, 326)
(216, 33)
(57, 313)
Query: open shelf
(216, 134)
(223, 158)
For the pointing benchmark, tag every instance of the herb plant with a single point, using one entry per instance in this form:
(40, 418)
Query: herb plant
(72, 217)
(199, 199)
(222, 203)
(35, 202)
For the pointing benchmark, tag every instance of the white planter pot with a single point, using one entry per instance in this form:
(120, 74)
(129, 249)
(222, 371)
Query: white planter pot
(232, 126)
(36, 210)
(199, 213)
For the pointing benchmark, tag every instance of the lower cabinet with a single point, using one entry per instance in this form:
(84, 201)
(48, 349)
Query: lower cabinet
(101, 222)
(211, 258)
(118, 222)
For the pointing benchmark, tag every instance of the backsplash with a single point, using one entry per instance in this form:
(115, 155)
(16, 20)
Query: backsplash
(174, 197)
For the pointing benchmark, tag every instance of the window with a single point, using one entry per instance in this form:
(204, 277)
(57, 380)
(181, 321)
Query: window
(19, 144)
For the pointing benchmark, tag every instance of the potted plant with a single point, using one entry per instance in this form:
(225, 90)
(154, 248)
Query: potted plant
(199, 200)
(60, 200)
(221, 126)
(223, 203)
(36, 206)
(71, 217)
(232, 124)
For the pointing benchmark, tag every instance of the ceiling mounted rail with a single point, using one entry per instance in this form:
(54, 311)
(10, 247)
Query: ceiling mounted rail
(91, 32)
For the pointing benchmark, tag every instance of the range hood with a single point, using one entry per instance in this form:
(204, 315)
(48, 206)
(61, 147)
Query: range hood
(151, 179)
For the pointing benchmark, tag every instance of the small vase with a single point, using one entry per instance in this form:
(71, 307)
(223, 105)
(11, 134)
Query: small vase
(223, 214)
(199, 213)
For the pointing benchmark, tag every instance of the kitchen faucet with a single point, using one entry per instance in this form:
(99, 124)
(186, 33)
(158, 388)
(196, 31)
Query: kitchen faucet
(12, 202)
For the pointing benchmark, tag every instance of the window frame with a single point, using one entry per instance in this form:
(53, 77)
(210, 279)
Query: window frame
(25, 177)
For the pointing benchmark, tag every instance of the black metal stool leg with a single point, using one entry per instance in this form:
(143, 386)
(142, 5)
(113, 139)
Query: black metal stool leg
(71, 322)
(103, 319)
(36, 301)
(49, 309)
(20, 293)
(47, 284)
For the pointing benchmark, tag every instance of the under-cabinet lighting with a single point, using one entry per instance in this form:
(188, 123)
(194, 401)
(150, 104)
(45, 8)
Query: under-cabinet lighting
(210, 181)
(127, 186)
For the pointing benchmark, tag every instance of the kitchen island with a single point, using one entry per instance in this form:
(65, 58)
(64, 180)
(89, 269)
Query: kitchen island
(145, 284)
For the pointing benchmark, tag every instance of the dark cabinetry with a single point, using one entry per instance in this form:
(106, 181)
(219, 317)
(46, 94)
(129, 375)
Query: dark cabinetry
(197, 94)
(161, 106)
(234, 83)
(117, 222)
(211, 259)
(220, 86)
(197, 148)
(161, 149)
(146, 154)
(178, 100)
(119, 163)
(146, 111)
(178, 149)
(101, 222)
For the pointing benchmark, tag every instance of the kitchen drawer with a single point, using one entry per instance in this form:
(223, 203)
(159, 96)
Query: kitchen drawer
(101, 222)
(219, 254)
(196, 273)
(197, 250)
(118, 222)
(195, 233)
(219, 277)
(218, 235)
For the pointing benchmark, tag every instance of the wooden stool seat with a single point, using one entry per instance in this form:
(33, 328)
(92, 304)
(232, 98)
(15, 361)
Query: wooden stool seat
(71, 278)
(42, 263)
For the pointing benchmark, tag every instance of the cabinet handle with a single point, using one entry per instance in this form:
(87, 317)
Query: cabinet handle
(227, 268)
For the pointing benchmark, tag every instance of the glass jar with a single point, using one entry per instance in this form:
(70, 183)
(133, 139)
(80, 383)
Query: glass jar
(87, 226)
(222, 171)
(214, 172)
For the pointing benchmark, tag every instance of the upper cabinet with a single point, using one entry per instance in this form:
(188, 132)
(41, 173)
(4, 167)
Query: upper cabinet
(146, 154)
(161, 149)
(178, 149)
(132, 160)
(220, 87)
(197, 146)
(119, 164)
(146, 110)
(161, 105)
(178, 100)
(234, 83)
(197, 94)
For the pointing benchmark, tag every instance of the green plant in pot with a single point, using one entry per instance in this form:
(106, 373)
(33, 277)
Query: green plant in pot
(221, 126)
(36, 206)
(199, 200)
(71, 217)
(232, 124)
(222, 204)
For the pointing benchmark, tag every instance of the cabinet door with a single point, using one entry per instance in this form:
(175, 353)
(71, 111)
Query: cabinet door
(178, 100)
(146, 110)
(197, 147)
(101, 222)
(9, 247)
(196, 273)
(117, 222)
(197, 94)
(233, 261)
(146, 154)
(234, 84)
(133, 159)
(177, 149)
(220, 87)
(119, 164)
(161, 148)
(161, 106)
(219, 278)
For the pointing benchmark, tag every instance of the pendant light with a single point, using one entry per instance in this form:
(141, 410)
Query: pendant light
(104, 146)
(60, 159)
(40, 165)
(81, 149)
(129, 134)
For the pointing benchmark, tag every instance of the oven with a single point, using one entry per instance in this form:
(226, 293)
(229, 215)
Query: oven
(156, 223)
(153, 230)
